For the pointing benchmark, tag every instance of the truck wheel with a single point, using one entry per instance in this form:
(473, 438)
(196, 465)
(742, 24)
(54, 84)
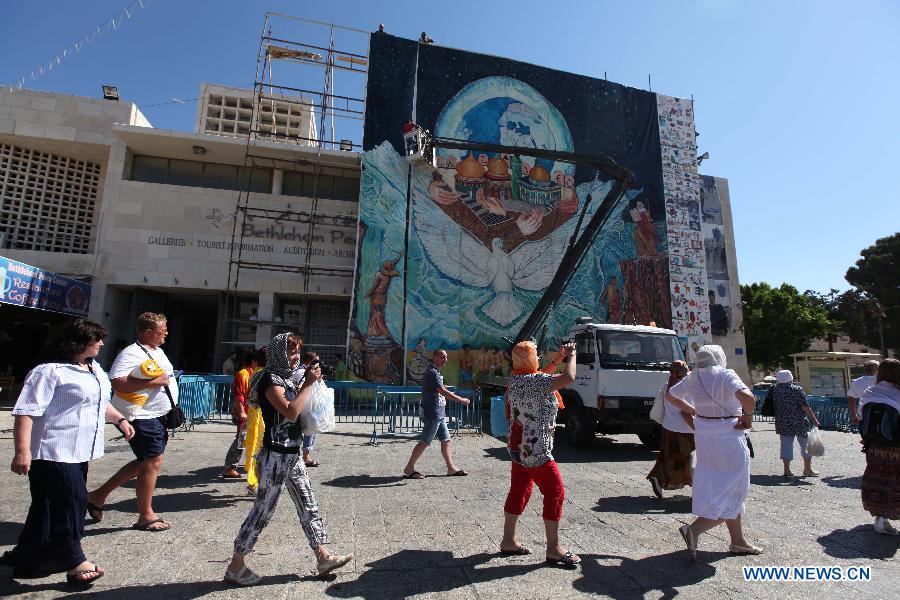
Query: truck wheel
(580, 427)
(651, 438)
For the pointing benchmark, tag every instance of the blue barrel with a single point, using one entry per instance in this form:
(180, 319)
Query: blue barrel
(499, 424)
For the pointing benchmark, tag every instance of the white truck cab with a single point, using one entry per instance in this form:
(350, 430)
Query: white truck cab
(619, 370)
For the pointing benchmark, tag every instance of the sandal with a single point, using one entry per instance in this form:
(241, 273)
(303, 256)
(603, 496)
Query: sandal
(332, 562)
(312, 463)
(79, 579)
(95, 512)
(520, 551)
(148, 526)
(459, 473)
(567, 561)
(741, 550)
(689, 540)
(244, 577)
(413, 475)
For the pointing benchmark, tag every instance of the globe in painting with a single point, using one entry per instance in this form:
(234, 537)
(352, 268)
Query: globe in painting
(508, 112)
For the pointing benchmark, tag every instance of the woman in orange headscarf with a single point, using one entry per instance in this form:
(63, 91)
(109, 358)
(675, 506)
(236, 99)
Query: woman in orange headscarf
(533, 403)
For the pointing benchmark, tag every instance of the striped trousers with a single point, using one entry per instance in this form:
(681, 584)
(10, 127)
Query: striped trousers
(277, 471)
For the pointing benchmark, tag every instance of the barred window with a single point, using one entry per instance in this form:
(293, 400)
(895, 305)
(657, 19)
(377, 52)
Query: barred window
(47, 201)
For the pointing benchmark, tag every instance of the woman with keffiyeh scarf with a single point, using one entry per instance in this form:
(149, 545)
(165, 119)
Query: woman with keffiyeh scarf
(280, 402)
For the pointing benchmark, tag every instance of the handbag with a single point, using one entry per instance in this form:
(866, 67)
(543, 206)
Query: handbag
(768, 406)
(175, 417)
(659, 407)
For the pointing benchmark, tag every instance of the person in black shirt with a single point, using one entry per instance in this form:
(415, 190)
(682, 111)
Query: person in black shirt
(281, 401)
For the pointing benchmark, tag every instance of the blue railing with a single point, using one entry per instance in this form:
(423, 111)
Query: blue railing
(832, 412)
(391, 409)
(202, 397)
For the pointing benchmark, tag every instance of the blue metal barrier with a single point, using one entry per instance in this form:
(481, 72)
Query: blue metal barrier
(203, 396)
(832, 412)
(396, 411)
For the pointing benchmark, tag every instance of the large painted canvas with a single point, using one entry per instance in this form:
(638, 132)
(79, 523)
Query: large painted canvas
(457, 254)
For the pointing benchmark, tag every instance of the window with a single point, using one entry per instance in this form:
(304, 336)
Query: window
(325, 186)
(185, 172)
(220, 177)
(585, 353)
(632, 349)
(47, 201)
(260, 180)
(346, 188)
(149, 169)
(153, 169)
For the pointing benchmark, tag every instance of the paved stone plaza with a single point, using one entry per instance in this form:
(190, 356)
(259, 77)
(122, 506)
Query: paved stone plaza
(438, 537)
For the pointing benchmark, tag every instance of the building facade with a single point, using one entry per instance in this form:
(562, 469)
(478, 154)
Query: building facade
(92, 191)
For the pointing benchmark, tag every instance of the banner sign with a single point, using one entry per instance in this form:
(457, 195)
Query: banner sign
(31, 287)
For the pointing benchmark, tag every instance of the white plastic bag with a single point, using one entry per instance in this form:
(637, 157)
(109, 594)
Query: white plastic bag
(317, 415)
(659, 407)
(816, 445)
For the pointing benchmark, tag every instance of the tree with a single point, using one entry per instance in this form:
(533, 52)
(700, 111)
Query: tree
(779, 322)
(877, 274)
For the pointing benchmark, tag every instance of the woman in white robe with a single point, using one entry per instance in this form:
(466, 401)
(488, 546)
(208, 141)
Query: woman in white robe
(723, 409)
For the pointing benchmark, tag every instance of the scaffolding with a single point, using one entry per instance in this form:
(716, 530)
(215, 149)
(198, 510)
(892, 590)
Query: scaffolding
(303, 55)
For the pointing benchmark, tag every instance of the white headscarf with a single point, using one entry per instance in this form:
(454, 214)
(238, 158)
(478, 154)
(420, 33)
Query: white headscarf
(710, 355)
(784, 376)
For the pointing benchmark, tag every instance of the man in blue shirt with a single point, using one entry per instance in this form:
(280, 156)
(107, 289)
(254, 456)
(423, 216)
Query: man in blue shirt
(434, 417)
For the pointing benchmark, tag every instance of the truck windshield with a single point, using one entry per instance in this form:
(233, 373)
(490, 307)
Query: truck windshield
(635, 350)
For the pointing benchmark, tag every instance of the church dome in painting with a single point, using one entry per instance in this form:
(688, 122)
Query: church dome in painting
(469, 168)
(497, 169)
(539, 174)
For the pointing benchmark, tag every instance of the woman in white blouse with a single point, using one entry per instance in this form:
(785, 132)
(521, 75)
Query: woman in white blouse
(58, 428)
(723, 407)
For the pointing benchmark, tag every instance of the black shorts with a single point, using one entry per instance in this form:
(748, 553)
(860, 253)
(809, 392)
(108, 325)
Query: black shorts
(150, 437)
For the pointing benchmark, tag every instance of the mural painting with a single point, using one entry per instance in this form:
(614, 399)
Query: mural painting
(720, 311)
(457, 254)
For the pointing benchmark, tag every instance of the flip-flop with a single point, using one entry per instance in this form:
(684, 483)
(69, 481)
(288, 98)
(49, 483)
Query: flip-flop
(520, 551)
(96, 512)
(148, 526)
(413, 475)
(75, 580)
(568, 561)
(313, 463)
(459, 473)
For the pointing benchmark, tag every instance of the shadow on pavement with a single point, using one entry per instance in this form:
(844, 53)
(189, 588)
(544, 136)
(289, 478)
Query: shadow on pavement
(860, 542)
(636, 505)
(604, 449)
(430, 571)
(777, 481)
(364, 481)
(182, 501)
(187, 589)
(200, 477)
(9, 533)
(853, 483)
(634, 578)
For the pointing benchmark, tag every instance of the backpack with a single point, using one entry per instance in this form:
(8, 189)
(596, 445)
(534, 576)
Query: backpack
(880, 425)
(768, 405)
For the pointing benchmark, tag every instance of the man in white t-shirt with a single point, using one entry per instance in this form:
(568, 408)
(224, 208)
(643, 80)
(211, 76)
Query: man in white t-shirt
(858, 386)
(144, 392)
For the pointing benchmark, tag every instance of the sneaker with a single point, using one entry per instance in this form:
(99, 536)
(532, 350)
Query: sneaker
(333, 562)
(231, 473)
(884, 526)
(657, 489)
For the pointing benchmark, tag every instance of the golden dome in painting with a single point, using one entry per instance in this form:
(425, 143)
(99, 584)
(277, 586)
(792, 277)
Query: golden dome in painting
(539, 174)
(497, 168)
(470, 168)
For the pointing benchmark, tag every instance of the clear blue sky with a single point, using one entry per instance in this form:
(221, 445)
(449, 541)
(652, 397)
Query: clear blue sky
(796, 101)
